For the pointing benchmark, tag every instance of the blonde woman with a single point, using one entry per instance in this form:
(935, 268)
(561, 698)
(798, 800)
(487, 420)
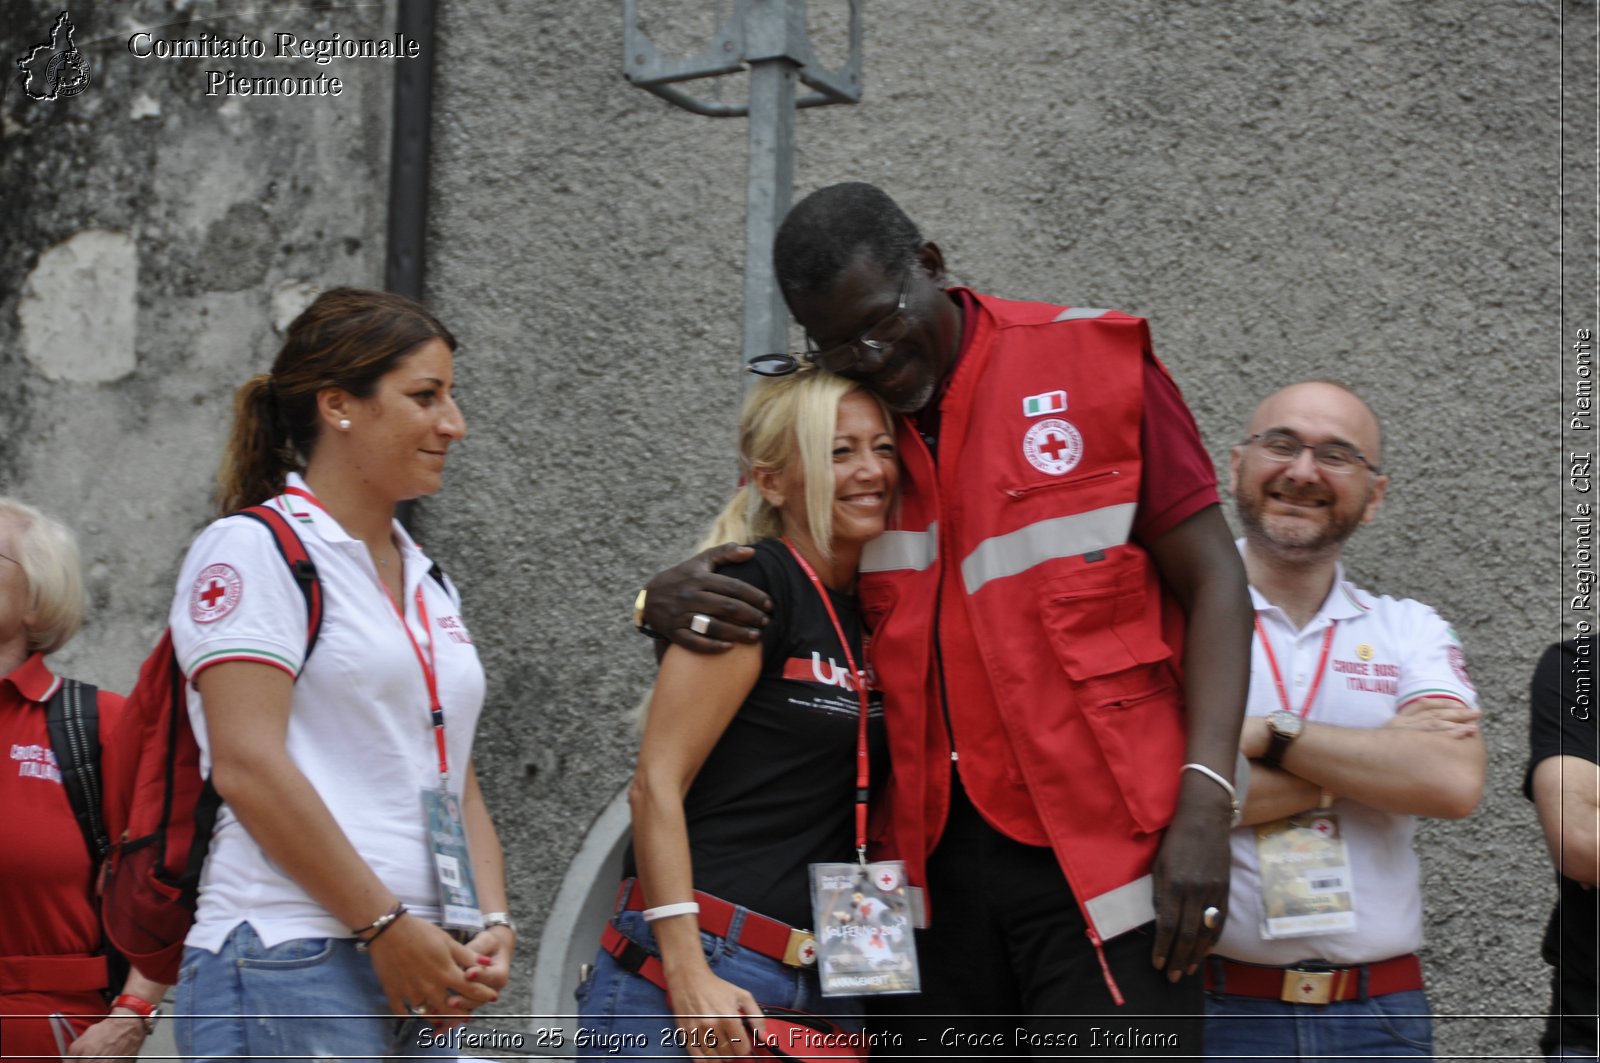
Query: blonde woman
(747, 766)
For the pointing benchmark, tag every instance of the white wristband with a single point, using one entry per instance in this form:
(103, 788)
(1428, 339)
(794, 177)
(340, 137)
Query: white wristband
(667, 911)
(1233, 796)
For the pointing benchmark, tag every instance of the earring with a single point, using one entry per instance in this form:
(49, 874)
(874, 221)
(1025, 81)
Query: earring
(344, 424)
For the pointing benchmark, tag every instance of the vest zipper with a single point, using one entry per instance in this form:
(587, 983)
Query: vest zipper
(1022, 492)
(1105, 968)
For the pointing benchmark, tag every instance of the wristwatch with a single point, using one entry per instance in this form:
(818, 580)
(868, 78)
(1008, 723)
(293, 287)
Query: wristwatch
(1285, 727)
(494, 919)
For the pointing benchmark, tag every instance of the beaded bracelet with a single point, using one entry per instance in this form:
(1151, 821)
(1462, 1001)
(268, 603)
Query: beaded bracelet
(378, 926)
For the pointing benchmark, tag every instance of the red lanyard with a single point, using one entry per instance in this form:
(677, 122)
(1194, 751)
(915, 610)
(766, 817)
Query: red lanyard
(863, 776)
(1277, 676)
(429, 674)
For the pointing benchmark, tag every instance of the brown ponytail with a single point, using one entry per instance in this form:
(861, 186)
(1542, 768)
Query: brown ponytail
(347, 338)
(254, 464)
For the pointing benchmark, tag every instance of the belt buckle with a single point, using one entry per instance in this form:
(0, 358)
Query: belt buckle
(1307, 987)
(801, 951)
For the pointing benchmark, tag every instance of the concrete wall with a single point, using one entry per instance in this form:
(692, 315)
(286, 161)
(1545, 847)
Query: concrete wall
(153, 242)
(1287, 188)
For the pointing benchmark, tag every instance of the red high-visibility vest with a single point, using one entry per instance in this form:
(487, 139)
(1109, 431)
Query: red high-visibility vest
(1058, 636)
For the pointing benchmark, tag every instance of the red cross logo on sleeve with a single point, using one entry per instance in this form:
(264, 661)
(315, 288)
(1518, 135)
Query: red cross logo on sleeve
(215, 594)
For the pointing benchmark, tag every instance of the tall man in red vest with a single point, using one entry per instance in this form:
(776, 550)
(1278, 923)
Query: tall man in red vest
(1061, 629)
(1361, 718)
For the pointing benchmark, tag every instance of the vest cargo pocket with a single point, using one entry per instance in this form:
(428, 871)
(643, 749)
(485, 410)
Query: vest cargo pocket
(1141, 735)
(1101, 617)
(1106, 633)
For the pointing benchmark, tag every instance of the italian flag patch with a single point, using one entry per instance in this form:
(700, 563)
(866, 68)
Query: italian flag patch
(1049, 402)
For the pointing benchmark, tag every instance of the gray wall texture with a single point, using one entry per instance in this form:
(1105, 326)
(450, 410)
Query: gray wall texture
(1288, 188)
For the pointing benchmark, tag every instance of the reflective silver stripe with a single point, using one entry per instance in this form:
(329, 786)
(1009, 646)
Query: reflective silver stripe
(1018, 551)
(1075, 313)
(901, 549)
(1123, 908)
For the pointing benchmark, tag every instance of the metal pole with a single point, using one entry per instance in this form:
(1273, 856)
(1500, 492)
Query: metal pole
(769, 189)
(768, 37)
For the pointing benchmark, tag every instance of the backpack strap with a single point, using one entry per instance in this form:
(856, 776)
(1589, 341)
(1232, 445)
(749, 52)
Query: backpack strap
(304, 571)
(72, 716)
(300, 565)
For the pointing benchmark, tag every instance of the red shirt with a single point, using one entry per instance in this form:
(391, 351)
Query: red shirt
(44, 863)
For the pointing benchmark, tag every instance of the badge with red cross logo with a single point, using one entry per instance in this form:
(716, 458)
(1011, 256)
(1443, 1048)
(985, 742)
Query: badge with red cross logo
(886, 879)
(215, 594)
(1053, 446)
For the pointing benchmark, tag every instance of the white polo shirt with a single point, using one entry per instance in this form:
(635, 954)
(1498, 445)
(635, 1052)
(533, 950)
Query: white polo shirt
(358, 724)
(1385, 653)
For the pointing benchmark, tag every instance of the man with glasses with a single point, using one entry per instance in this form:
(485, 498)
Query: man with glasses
(1361, 718)
(1062, 745)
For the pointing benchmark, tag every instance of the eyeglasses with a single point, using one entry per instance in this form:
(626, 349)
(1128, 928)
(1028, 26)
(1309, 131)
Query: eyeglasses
(1337, 458)
(873, 344)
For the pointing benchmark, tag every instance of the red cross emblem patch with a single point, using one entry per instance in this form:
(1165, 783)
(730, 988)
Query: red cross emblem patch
(1053, 446)
(215, 594)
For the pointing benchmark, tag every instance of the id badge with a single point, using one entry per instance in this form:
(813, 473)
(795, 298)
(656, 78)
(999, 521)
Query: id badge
(447, 838)
(864, 925)
(1306, 886)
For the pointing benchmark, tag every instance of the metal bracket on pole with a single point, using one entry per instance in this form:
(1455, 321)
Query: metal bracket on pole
(767, 38)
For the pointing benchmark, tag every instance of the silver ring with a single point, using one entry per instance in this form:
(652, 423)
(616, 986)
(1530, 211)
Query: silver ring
(700, 623)
(417, 1009)
(1209, 917)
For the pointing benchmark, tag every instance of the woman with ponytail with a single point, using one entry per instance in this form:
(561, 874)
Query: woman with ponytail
(323, 902)
(747, 768)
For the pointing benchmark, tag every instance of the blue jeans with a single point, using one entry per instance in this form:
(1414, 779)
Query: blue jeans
(1581, 1055)
(623, 1014)
(1395, 1024)
(316, 998)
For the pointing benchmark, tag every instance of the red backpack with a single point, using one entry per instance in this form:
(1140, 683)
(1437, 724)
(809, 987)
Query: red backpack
(159, 809)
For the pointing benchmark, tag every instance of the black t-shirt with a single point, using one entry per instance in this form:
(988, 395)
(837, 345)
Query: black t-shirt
(1564, 725)
(777, 792)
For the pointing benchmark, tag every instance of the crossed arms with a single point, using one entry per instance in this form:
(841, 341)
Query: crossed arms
(1428, 760)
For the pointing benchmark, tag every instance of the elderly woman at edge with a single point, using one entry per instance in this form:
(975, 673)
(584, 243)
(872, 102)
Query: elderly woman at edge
(53, 973)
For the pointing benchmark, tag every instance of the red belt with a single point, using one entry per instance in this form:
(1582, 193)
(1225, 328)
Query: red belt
(57, 974)
(1314, 983)
(770, 938)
